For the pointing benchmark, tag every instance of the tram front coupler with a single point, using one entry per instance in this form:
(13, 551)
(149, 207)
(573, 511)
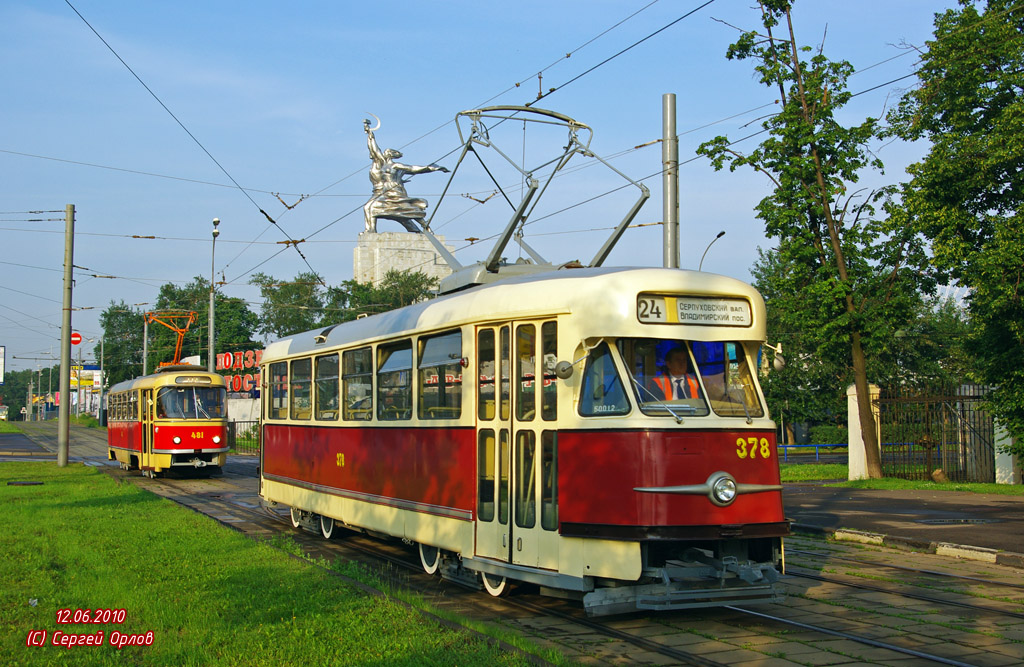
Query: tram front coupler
(722, 568)
(198, 463)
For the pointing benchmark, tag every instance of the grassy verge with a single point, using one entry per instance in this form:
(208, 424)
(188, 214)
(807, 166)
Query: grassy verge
(811, 472)
(8, 427)
(85, 420)
(831, 472)
(209, 596)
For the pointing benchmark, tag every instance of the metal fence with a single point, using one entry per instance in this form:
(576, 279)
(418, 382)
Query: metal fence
(944, 428)
(244, 437)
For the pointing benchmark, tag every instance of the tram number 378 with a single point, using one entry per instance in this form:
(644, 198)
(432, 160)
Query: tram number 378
(752, 448)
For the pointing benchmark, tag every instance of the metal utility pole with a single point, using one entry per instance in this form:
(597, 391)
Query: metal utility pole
(63, 416)
(670, 180)
(28, 403)
(145, 343)
(211, 365)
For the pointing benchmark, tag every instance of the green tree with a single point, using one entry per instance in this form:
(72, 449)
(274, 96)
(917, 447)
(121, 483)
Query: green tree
(290, 306)
(966, 194)
(122, 342)
(305, 303)
(123, 328)
(396, 290)
(236, 324)
(851, 274)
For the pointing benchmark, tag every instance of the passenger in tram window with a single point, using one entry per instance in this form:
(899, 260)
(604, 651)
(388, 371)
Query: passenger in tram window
(677, 381)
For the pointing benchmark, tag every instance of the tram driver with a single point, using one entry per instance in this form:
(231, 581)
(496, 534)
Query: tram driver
(677, 381)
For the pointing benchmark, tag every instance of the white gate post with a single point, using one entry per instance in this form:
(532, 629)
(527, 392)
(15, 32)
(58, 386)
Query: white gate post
(1008, 469)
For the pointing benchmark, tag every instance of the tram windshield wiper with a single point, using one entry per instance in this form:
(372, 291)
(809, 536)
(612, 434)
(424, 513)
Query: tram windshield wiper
(658, 404)
(200, 409)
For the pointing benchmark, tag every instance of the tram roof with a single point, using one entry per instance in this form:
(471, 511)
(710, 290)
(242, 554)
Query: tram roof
(608, 295)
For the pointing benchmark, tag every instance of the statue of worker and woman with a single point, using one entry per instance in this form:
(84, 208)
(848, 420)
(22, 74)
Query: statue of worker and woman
(388, 177)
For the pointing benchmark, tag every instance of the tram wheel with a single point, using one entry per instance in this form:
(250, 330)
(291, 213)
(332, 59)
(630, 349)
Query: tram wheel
(496, 586)
(326, 526)
(296, 517)
(430, 557)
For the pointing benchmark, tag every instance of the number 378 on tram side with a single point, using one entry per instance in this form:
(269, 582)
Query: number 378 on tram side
(596, 432)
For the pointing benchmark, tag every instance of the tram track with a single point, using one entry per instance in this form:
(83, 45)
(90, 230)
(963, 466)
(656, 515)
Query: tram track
(309, 541)
(867, 641)
(908, 595)
(904, 568)
(407, 562)
(395, 563)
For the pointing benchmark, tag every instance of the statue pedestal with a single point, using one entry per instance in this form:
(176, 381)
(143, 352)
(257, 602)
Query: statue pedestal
(380, 252)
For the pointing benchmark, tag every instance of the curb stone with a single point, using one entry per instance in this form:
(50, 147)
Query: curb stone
(964, 551)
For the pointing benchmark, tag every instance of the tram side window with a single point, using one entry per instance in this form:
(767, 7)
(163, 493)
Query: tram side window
(503, 470)
(549, 388)
(730, 384)
(277, 406)
(549, 480)
(602, 393)
(394, 381)
(485, 373)
(485, 475)
(302, 389)
(526, 479)
(440, 376)
(326, 386)
(526, 385)
(505, 368)
(357, 383)
(133, 406)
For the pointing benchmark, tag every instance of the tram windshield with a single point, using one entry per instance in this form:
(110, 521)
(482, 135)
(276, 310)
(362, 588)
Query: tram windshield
(682, 378)
(191, 402)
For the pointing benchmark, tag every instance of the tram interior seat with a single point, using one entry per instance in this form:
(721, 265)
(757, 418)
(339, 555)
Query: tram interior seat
(447, 412)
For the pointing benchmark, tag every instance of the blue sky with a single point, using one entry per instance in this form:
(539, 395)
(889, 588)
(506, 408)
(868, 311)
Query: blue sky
(276, 93)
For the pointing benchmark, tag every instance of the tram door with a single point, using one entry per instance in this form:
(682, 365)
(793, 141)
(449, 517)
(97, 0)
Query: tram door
(517, 517)
(146, 411)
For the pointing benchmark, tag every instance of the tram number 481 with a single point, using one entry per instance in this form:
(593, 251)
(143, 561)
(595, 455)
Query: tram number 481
(751, 448)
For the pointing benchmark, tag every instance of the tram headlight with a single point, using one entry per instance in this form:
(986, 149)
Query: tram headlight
(216, 439)
(177, 440)
(723, 490)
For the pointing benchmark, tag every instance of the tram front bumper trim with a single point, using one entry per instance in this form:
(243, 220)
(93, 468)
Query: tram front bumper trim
(723, 481)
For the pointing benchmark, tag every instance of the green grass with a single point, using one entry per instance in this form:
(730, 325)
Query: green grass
(85, 420)
(812, 472)
(8, 427)
(890, 483)
(211, 596)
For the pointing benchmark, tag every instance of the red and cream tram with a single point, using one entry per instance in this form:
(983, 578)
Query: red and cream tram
(175, 418)
(516, 431)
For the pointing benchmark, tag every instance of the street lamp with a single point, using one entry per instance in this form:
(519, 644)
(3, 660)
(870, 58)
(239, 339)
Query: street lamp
(211, 366)
(720, 235)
